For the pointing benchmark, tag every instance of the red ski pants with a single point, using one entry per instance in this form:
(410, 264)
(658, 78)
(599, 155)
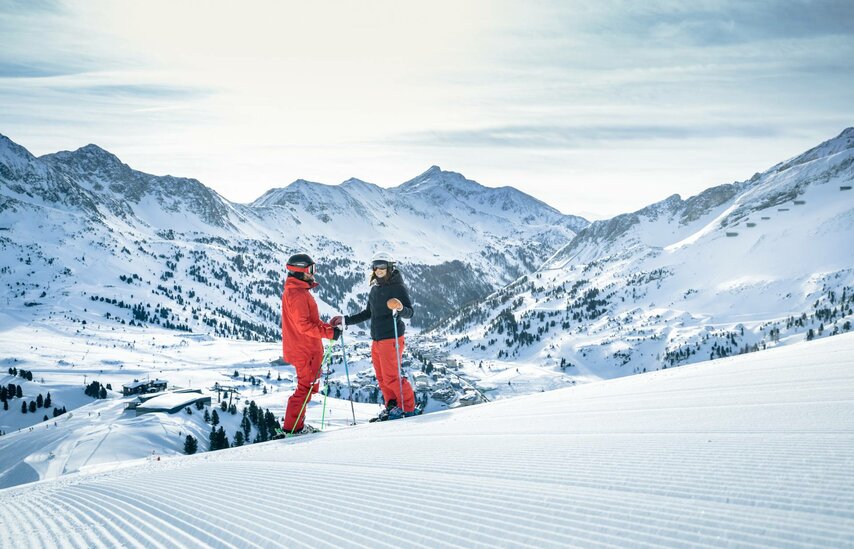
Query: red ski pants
(387, 371)
(307, 375)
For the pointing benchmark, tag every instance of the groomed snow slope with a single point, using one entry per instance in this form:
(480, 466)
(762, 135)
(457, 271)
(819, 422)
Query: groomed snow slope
(750, 451)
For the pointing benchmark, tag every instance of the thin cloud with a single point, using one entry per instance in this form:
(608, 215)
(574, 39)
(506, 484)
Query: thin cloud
(575, 137)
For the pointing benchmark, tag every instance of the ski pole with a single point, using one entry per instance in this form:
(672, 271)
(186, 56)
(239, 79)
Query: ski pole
(325, 394)
(347, 371)
(326, 354)
(397, 355)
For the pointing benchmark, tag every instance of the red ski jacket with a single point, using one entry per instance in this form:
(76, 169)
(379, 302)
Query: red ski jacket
(302, 328)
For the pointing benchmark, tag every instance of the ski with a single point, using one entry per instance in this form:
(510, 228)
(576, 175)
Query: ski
(307, 429)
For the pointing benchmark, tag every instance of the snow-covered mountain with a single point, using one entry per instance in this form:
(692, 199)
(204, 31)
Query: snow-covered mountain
(171, 251)
(749, 451)
(737, 268)
(473, 221)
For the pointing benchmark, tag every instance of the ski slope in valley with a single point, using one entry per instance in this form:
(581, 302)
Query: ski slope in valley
(750, 451)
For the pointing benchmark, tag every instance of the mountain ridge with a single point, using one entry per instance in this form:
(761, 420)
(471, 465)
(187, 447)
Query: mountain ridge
(736, 268)
(129, 213)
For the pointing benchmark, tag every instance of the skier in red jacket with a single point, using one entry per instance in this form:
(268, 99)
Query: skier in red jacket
(302, 331)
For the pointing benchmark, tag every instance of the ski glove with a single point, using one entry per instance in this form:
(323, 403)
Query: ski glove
(336, 333)
(394, 304)
(336, 321)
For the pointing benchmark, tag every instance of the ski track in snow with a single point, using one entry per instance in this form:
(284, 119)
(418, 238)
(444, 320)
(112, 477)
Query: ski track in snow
(751, 451)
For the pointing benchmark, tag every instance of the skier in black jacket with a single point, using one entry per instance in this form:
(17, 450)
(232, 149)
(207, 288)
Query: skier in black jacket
(388, 303)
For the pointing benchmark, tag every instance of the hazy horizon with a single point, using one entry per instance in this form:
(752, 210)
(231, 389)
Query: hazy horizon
(596, 110)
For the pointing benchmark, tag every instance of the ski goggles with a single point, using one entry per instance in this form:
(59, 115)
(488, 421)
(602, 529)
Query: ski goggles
(379, 265)
(296, 269)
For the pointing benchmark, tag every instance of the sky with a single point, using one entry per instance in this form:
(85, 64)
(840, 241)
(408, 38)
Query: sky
(597, 108)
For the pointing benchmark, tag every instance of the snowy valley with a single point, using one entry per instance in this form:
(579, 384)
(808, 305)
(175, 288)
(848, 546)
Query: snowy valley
(111, 276)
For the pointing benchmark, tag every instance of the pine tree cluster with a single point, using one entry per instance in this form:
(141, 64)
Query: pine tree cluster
(263, 420)
(25, 374)
(219, 440)
(96, 390)
(8, 392)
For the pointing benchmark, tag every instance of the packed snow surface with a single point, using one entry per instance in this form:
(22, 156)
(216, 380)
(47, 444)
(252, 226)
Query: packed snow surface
(750, 451)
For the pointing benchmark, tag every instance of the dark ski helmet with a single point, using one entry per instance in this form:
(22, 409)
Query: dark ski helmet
(301, 264)
(382, 260)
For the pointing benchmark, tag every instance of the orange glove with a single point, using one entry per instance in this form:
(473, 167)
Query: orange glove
(394, 304)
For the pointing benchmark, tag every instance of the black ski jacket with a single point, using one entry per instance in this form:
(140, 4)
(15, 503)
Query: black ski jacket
(378, 311)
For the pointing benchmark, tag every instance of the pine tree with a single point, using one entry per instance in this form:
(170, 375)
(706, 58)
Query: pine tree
(272, 422)
(19, 392)
(223, 438)
(214, 418)
(47, 401)
(239, 438)
(214, 441)
(223, 406)
(33, 406)
(190, 445)
(103, 393)
(39, 401)
(207, 416)
(23, 407)
(5, 404)
(253, 412)
(246, 426)
(262, 431)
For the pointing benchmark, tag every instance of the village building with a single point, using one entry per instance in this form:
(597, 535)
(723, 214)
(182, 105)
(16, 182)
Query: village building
(171, 403)
(141, 387)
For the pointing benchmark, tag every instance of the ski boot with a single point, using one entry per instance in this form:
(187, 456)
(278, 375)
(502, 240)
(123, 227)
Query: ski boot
(417, 411)
(395, 413)
(383, 415)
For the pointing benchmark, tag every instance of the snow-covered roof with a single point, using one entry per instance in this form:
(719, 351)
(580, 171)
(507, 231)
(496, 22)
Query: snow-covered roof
(167, 401)
(135, 384)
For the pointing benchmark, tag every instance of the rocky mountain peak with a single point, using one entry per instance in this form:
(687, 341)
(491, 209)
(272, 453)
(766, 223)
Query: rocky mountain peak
(436, 178)
(12, 155)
